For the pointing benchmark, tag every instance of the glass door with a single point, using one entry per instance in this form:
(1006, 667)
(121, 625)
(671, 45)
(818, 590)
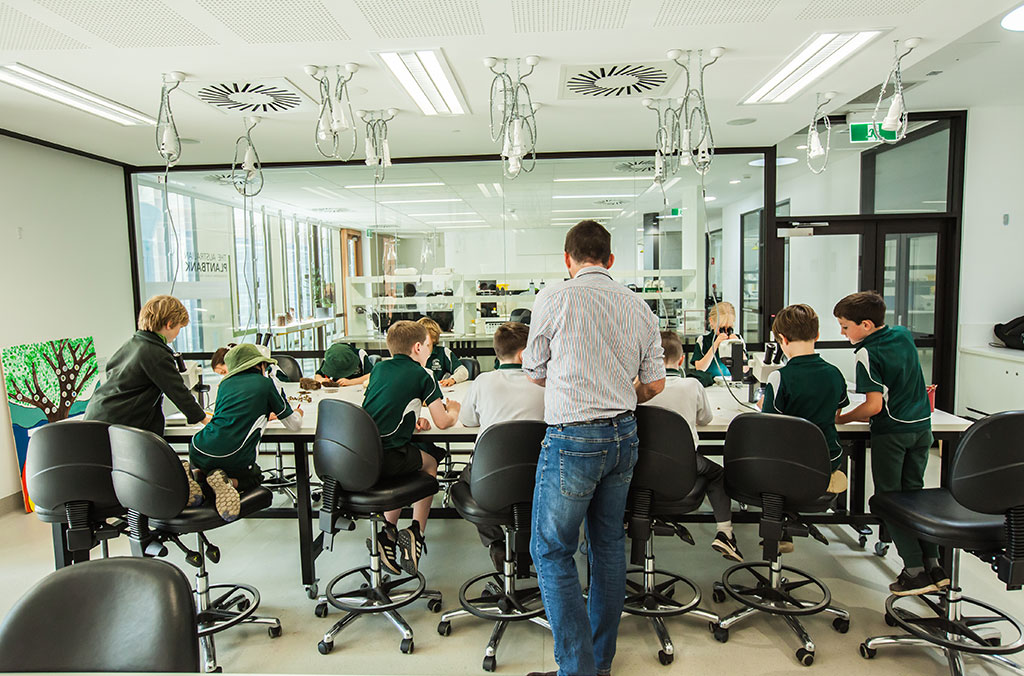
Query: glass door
(750, 276)
(830, 249)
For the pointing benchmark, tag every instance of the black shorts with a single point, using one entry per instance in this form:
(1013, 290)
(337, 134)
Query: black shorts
(406, 459)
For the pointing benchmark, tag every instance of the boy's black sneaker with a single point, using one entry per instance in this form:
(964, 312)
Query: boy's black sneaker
(412, 545)
(907, 585)
(387, 545)
(727, 547)
(939, 577)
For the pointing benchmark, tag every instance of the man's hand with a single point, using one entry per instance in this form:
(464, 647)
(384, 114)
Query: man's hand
(422, 424)
(647, 391)
(447, 382)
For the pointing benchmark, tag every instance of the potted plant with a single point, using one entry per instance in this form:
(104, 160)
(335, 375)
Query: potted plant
(322, 300)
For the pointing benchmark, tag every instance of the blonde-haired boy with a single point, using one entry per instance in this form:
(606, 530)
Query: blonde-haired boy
(442, 362)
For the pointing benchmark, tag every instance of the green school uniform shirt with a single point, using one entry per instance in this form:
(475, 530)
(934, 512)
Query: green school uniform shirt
(442, 363)
(716, 368)
(887, 362)
(244, 404)
(396, 392)
(809, 387)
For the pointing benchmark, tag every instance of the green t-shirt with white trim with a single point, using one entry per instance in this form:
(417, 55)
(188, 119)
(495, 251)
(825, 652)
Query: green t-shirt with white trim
(397, 391)
(887, 362)
(442, 363)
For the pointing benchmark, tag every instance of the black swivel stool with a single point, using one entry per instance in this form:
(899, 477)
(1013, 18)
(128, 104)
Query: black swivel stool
(150, 483)
(472, 365)
(347, 455)
(500, 493)
(112, 615)
(779, 463)
(67, 473)
(281, 479)
(289, 366)
(981, 512)
(665, 486)
(373, 359)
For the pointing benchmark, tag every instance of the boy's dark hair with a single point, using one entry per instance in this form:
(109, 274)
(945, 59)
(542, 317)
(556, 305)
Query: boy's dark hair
(673, 347)
(403, 335)
(218, 357)
(509, 339)
(860, 306)
(589, 242)
(796, 322)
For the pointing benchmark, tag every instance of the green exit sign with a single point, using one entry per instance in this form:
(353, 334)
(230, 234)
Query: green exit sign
(864, 132)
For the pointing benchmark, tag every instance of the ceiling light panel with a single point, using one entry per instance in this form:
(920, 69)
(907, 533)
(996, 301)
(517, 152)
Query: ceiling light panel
(820, 54)
(587, 197)
(603, 178)
(426, 76)
(452, 199)
(58, 90)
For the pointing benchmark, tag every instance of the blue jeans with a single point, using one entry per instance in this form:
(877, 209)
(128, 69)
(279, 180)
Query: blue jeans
(584, 471)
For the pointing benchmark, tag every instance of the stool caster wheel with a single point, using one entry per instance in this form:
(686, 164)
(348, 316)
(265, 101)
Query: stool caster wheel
(444, 628)
(320, 610)
(315, 496)
(665, 658)
(213, 553)
(881, 548)
(890, 620)
(862, 541)
(195, 560)
(721, 634)
(407, 646)
(995, 641)
(434, 605)
(718, 596)
(490, 663)
(805, 657)
(324, 647)
(312, 592)
(840, 624)
(274, 631)
(866, 652)
(218, 670)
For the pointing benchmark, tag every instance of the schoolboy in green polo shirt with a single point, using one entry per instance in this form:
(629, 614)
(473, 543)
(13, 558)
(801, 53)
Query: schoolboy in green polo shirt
(442, 362)
(395, 394)
(225, 450)
(344, 365)
(889, 375)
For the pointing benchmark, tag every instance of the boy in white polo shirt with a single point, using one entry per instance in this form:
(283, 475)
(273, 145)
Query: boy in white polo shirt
(496, 396)
(686, 397)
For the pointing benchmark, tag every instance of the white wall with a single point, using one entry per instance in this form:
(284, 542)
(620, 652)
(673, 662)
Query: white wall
(64, 259)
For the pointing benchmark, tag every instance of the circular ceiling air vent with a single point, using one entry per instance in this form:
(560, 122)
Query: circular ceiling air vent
(250, 97)
(617, 80)
(611, 202)
(635, 166)
(224, 179)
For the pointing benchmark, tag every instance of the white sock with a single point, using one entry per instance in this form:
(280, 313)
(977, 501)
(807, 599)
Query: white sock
(725, 527)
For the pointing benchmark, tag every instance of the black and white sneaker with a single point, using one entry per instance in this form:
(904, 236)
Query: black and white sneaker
(907, 585)
(413, 546)
(387, 545)
(727, 547)
(939, 577)
(195, 491)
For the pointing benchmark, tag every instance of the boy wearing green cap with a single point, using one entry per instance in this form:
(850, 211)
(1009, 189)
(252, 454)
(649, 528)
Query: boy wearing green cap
(225, 450)
(344, 365)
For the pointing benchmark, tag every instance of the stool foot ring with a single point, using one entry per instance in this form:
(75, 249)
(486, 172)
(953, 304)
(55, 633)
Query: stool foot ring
(497, 604)
(656, 597)
(235, 604)
(780, 599)
(370, 599)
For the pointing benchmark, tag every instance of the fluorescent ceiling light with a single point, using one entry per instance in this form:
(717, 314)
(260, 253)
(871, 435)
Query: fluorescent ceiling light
(452, 199)
(1014, 21)
(710, 198)
(426, 77)
(451, 222)
(33, 81)
(392, 185)
(497, 189)
(779, 161)
(323, 192)
(581, 211)
(816, 57)
(587, 197)
(606, 178)
(933, 201)
(801, 147)
(464, 227)
(448, 213)
(734, 181)
(484, 190)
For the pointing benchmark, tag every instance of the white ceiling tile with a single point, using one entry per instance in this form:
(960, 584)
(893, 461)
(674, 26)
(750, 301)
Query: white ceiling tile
(21, 31)
(141, 23)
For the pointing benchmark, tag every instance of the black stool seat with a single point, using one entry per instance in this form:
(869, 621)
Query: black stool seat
(686, 505)
(822, 504)
(61, 515)
(205, 516)
(470, 510)
(935, 515)
(389, 493)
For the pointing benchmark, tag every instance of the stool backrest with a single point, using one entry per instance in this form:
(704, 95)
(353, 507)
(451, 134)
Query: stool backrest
(69, 461)
(987, 472)
(147, 474)
(505, 464)
(110, 615)
(289, 366)
(521, 315)
(666, 460)
(373, 359)
(472, 365)
(347, 445)
(778, 455)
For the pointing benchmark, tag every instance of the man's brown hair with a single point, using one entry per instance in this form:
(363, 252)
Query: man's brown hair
(860, 306)
(432, 327)
(673, 347)
(796, 322)
(589, 242)
(159, 311)
(403, 335)
(509, 339)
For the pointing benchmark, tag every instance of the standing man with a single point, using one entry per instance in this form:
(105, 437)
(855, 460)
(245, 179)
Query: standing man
(590, 339)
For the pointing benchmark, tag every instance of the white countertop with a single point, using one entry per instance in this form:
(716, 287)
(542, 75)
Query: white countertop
(994, 352)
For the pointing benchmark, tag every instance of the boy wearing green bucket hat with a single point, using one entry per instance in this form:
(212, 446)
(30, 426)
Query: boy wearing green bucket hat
(345, 365)
(225, 450)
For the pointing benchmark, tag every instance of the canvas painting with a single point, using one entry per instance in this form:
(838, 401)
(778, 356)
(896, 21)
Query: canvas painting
(46, 382)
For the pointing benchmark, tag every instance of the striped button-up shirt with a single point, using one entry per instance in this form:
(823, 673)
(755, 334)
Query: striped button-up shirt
(589, 338)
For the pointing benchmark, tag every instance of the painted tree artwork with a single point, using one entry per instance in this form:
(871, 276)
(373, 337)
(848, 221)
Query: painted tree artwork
(46, 382)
